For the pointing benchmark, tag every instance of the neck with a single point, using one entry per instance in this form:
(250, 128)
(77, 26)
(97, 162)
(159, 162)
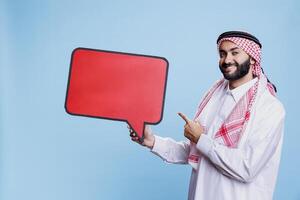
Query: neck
(236, 83)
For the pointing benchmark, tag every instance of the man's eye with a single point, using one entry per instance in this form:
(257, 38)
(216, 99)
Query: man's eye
(235, 53)
(222, 55)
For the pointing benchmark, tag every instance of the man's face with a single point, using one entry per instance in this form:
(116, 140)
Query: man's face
(234, 63)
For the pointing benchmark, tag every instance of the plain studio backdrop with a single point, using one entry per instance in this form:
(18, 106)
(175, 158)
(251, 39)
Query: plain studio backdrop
(46, 154)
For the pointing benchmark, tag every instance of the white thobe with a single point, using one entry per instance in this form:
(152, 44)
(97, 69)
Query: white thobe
(246, 172)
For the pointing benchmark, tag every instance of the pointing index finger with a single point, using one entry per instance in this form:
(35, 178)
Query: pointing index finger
(187, 120)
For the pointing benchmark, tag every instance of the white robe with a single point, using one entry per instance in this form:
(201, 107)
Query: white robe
(244, 173)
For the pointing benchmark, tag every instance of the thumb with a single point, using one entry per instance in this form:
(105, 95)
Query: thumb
(147, 129)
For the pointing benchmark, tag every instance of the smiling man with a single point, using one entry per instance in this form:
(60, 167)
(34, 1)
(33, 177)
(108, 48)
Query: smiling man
(234, 141)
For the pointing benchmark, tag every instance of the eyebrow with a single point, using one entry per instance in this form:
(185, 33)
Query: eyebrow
(232, 49)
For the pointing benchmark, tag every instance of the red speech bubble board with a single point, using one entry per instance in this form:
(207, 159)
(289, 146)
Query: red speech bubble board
(117, 86)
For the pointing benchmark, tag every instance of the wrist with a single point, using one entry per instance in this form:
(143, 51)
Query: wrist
(150, 142)
(197, 138)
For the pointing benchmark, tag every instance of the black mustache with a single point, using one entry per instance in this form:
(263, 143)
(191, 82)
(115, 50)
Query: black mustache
(225, 65)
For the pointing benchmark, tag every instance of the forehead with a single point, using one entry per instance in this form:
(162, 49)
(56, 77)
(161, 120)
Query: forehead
(228, 45)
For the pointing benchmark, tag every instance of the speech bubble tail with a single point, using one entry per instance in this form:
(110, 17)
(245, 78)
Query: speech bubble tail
(137, 127)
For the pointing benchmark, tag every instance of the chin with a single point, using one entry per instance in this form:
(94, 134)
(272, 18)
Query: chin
(229, 77)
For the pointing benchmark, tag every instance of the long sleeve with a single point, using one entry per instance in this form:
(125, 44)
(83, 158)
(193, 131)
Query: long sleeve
(171, 151)
(244, 163)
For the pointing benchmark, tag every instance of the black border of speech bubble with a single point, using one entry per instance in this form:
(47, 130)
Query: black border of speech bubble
(116, 52)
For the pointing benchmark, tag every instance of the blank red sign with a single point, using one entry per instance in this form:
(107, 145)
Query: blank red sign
(117, 86)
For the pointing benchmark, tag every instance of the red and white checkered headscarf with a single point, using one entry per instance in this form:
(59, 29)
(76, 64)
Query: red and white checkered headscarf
(231, 131)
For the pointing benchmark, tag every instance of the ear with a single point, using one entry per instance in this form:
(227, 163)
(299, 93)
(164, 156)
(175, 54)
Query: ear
(252, 61)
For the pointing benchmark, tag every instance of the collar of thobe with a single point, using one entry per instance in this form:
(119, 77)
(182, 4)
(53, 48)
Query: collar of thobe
(238, 92)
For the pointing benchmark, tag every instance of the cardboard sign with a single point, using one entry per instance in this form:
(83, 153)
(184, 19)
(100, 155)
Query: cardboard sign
(117, 86)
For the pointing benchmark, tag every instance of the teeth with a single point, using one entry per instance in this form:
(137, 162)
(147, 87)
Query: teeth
(228, 69)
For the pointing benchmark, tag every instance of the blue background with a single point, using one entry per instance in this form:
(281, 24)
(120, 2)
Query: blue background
(47, 154)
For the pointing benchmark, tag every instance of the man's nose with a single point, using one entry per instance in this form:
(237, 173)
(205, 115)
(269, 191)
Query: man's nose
(228, 59)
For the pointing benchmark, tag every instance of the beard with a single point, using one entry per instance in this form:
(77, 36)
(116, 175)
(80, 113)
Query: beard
(241, 70)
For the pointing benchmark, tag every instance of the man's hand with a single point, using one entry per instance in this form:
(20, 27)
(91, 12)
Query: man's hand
(148, 137)
(192, 129)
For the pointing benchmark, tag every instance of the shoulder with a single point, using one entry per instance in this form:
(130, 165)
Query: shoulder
(268, 104)
(268, 117)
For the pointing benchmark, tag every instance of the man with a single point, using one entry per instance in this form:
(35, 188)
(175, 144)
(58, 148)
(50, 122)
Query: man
(234, 141)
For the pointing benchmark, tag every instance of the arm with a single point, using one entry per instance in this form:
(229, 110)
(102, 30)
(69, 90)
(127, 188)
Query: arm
(166, 148)
(171, 151)
(243, 164)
